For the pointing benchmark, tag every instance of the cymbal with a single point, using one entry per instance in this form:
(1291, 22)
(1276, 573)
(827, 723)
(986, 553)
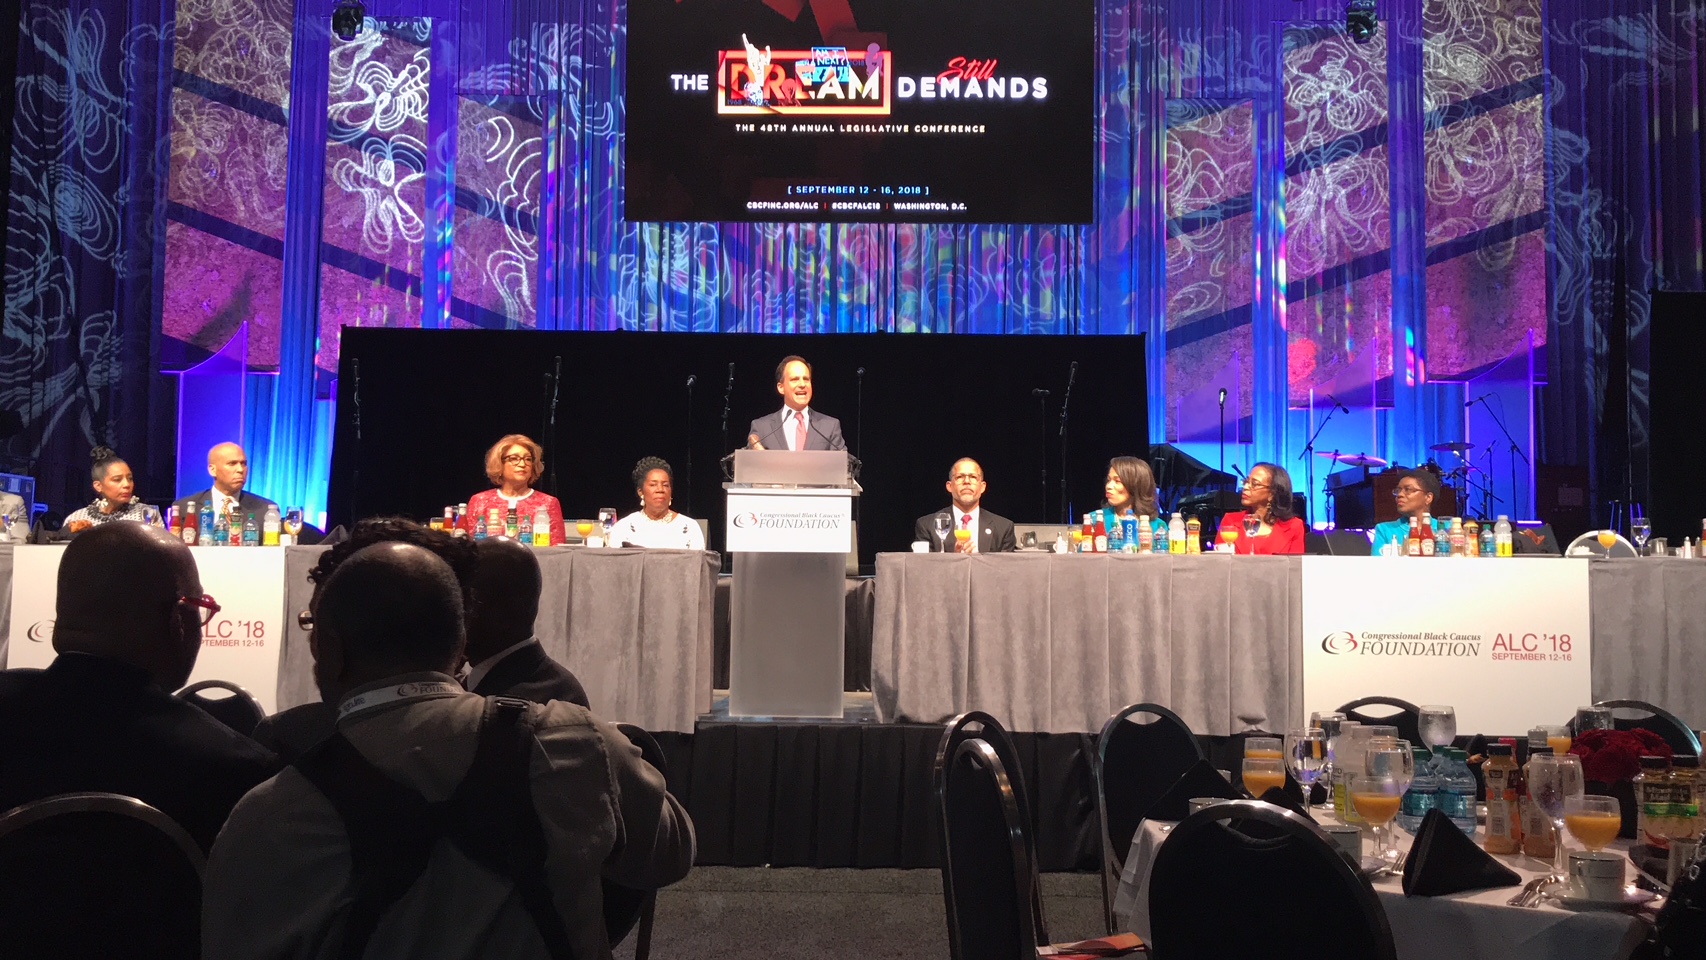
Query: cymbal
(1354, 459)
(1456, 446)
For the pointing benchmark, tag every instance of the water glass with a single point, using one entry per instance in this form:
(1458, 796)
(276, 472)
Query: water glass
(1438, 725)
(1639, 527)
(1552, 780)
(1593, 718)
(1392, 761)
(1306, 756)
(941, 526)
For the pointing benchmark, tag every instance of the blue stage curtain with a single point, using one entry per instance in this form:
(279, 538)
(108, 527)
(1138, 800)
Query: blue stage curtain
(84, 241)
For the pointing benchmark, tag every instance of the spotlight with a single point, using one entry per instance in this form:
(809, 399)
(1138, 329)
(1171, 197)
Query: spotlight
(347, 19)
(1361, 21)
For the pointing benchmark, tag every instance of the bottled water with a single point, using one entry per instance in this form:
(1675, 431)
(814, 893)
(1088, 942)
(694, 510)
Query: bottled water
(1502, 536)
(1456, 796)
(1422, 795)
(207, 523)
(541, 528)
(251, 531)
(270, 527)
(480, 532)
(221, 531)
(524, 529)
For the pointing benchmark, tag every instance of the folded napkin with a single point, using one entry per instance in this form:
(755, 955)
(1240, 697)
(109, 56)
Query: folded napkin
(1445, 860)
(1289, 797)
(1199, 780)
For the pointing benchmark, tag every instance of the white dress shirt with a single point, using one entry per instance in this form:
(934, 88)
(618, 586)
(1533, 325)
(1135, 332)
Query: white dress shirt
(790, 426)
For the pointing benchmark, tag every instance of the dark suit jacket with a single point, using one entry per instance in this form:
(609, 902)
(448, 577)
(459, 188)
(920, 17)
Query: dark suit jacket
(246, 503)
(822, 432)
(995, 536)
(530, 674)
(92, 723)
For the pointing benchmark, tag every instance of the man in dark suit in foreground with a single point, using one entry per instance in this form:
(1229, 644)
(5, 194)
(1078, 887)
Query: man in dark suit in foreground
(505, 659)
(796, 426)
(102, 716)
(991, 533)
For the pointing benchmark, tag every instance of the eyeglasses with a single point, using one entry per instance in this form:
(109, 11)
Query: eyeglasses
(205, 607)
(518, 458)
(1405, 492)
(1251, 483)
(305, 620)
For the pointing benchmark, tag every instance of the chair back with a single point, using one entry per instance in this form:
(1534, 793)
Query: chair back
(977, 725)
(1641, 715)
(1408, 718)
(1231, 878)
(239, 710)
(624, 907)
(988, 876)
(1136, 764)
(97, 875)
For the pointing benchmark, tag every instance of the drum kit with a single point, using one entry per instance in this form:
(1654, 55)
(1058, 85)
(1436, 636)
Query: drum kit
(1461, 479)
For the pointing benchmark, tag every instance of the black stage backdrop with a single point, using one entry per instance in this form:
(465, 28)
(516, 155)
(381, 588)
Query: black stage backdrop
(429, 403)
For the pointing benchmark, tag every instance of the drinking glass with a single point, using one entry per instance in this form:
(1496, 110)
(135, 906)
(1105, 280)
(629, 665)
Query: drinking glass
(1262, 774)
(1252, 526)
(941, 526)
(1558, 738)
(1552, 780)
(961, 535)
(1607, 539)
(1639, 528)
(293, 523)
(1593, 718)
(1306, 756)
(1395, 762)
(1438, 726)
(1376, 800)
(1229, 536)
(584, 528)
(1265, 748)
(1593, 821)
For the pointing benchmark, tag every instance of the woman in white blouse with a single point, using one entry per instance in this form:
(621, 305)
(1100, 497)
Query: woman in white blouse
(655, 524)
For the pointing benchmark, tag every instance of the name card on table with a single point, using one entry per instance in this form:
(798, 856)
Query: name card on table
(1505, 642)
(240, 645)
(798, 522)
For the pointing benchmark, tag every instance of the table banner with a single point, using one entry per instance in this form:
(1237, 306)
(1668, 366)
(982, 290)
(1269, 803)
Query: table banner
(1505, 642)
(240, 645)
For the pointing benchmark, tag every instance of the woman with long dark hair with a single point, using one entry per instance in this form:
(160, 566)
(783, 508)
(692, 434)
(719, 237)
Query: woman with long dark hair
(1267, 524)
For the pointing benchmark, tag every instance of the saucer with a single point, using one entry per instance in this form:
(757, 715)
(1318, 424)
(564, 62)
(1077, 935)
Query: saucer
(1632, 897)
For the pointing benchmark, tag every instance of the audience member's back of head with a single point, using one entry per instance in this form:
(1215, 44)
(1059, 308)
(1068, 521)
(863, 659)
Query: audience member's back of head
(391, 608)
(458, 552)
(119, 585)
(507, 583)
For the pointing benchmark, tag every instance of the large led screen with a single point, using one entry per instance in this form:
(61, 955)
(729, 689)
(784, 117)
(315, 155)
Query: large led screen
(907, 111)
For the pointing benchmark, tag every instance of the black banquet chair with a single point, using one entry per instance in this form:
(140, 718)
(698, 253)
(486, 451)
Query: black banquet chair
(626, 908)
(975, 724)
(97, 875)
(238, 710)
(988, 877)
(1406, 716)
(1136, 764)
(1236, 879)
(1641, 715)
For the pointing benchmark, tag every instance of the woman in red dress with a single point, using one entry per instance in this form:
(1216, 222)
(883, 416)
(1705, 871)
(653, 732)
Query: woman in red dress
(1267, 499)
(513, 464)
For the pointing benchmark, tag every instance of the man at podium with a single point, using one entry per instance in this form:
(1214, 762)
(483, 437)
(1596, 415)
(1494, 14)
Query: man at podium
(796, 426)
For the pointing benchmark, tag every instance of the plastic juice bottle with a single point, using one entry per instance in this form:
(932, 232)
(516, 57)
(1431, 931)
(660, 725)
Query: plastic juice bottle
(1176, 534)
(1504, 790)
(1652, 802)
(270, 525)
(1145, 535)
(1193, 535)
(1347, 748)
(1471, 539)
(512, 525)
(1502, 536)
(541, 528)
(1458, 536)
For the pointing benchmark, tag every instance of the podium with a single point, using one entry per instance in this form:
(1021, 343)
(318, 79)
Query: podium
(789, 527)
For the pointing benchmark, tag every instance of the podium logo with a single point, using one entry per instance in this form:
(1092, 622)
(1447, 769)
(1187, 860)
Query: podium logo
(1342, 641)
(41, 631)
(746, 521)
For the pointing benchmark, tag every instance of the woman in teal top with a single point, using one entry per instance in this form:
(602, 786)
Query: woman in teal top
(1130, 492)
(1415, 495)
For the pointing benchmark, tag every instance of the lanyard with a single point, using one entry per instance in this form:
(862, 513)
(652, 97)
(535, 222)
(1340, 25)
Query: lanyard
(404, 691)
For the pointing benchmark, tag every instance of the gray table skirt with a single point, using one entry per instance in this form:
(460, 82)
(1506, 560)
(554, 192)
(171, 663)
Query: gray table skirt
(635, 626)
(1058, 643)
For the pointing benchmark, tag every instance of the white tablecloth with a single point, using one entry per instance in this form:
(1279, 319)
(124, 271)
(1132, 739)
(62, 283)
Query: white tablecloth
(1479, 925)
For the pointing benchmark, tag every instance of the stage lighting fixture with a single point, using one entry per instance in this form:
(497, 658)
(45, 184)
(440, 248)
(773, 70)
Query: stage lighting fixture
(1361, 20)
(347, 19)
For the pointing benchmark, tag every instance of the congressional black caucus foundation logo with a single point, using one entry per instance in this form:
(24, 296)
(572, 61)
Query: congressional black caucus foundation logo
(41, 631)
(1341, 642)
(1344, 642)
(746, 521)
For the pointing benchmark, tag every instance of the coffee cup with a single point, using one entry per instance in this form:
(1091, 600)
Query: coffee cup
(920, 546)
(1198, 803)
(1596, 875)
(1347, 837)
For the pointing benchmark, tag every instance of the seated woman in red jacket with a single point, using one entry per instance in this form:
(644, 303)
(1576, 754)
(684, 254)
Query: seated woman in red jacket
(513, 464)
(1267, 501)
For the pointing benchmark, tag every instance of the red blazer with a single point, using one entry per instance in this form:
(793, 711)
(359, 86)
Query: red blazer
(480, 502)
(1286, 538)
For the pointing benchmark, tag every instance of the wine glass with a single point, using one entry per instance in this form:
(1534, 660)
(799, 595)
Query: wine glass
(1593, 821)
(1252, 526)
(1229, 536)
(293, 524)
(1639, 528)
(1376, 800)
(1552, 780)
(1264, 748)
(1396, 762)
(961, 535)
(1438, 726)
(1306, 756)
(1593, 718)
(584, 528)
(1558, 738)
(941, 526)
(1262, 774)
(1607, 539)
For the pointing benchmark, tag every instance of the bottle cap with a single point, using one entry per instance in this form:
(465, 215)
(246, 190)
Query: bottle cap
(1687, 761)
(1500, 750)
(1540, 751)
(1654, 763)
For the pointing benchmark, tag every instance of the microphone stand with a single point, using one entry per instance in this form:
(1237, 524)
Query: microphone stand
(1308, 455)
(728, 393)
(1065, 402)
(551, 423)
(859, 416)
(355, 402)
(1222, 429)
(1042, 421)
(1516, 451)
(687, 474)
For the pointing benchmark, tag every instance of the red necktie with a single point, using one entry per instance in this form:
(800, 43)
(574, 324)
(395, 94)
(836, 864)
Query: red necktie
(799, 430)
(965, 524)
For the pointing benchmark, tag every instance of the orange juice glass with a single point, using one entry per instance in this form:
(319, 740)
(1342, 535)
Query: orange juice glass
(584, 528)
(1262, 774)
(1594, 821)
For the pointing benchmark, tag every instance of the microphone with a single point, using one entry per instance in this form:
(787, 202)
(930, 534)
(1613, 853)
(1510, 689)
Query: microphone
(1039, 392)
(691, 380)
(1239, 472)
(1341, 407)
(812, 423)
(859, 372)
(1476, 400)
(1223, 396)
